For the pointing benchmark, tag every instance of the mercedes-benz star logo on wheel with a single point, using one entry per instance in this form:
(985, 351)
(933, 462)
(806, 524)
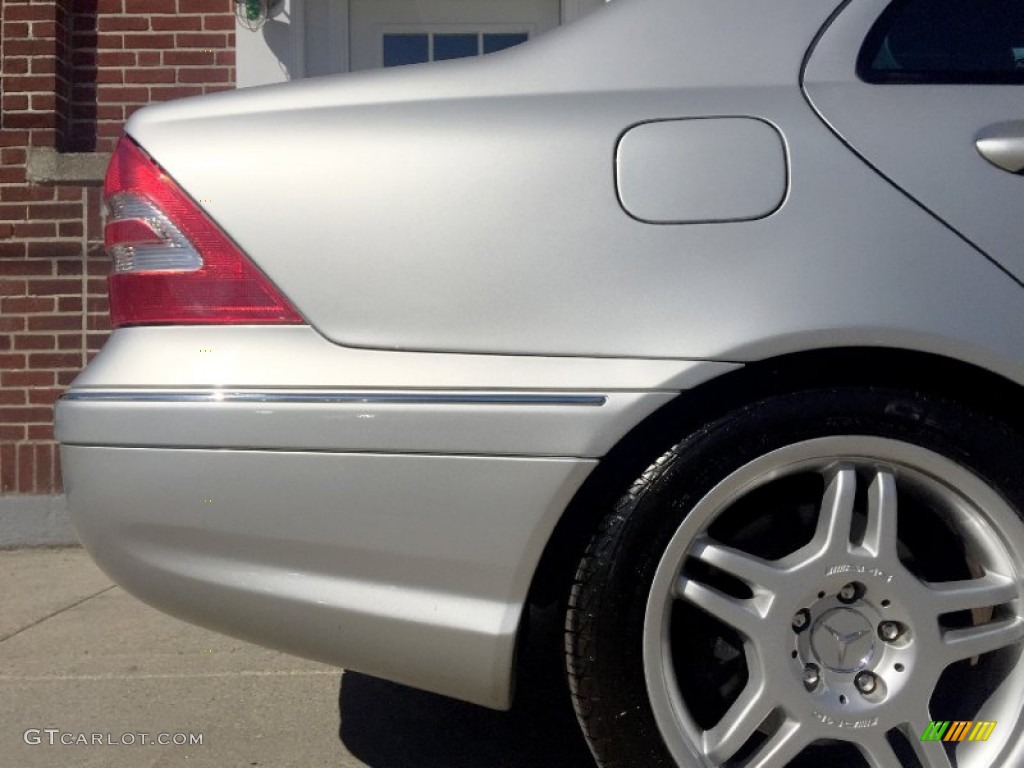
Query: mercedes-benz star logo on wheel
(843, 640)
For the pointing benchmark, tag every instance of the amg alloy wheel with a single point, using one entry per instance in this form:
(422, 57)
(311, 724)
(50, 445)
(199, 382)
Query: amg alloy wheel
(821, 577)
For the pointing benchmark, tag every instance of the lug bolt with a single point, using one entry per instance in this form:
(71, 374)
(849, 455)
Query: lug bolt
(801, 619)
(866, 682)
(812, 676)
(889, 630)
(848, 593)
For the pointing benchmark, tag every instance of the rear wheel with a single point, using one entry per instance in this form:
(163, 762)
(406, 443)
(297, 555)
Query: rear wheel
(814, 578)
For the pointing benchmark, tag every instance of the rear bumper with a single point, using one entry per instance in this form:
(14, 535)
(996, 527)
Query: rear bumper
(413, 568)
(379, 511)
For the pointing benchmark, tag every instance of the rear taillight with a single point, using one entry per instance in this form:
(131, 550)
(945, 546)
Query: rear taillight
(172, 264)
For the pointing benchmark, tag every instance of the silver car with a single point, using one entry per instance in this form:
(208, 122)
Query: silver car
(701, 319)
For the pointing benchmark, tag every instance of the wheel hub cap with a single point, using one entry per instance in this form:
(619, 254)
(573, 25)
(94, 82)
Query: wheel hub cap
(843, 640)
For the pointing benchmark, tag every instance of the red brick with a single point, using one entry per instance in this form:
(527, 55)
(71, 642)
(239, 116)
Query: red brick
(54, 322)
(151, 75)
(39, 29)
(28, 47)
(150, 6)
(11, 362)
(27, 378)
(9, 138)
(200, 40)
(164, 93)
(109, 6)
(19, 28)
(96, 340)
(12, 175)
(69, 193)
(115, 59)
(177, 23)
(16, 66)
(46, 360)
(52, 249)
(124, 94)
(23, 414)
(30, 120)
(28, 12)
(107, 76)
(70, 229)
(8, 474)
(39, 431)
(43, 101)
(28, 84)
(151, 40)
(15, 102)
(64, 378)
(44, 461)
(204, 75)
(12, 396)
(13, 156)
(52, 287)
(110, 112)
(36, 229)
(24, 267)
(14, 249)
(34, 341)
(97, 322)
(223, 22)
(110, 41)
(26, 305)
(70, 340)
(46, 396)
(26, 462)
(13, 287)
(204, 6)
(27, 194)
(12, 433)
(98, 304)
(110, 23)
(55, 211)
(44, 65)
(187, 58)
(12, 323)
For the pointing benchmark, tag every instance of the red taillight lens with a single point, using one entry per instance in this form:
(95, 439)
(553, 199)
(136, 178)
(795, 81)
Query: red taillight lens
(172, 264)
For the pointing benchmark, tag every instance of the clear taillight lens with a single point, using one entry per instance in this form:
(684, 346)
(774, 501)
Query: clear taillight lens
(172, 264)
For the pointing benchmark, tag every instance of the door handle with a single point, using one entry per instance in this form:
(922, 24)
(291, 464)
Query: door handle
(1002, 144)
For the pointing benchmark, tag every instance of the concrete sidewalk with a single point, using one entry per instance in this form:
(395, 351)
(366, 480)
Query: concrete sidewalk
(79, 655)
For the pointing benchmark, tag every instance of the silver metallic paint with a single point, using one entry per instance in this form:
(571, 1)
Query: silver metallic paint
(413, 568)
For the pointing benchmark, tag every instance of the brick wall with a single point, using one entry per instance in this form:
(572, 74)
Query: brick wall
(73, 72)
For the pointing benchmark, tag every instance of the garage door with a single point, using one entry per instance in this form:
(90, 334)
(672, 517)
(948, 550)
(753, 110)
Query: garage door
(388, 33)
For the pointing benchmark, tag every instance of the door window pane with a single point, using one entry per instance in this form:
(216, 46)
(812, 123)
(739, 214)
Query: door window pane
(946, 41)
(455, 46)
(402, 49)
(499, 41)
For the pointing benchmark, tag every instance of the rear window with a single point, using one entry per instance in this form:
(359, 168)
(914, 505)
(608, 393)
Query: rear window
(946, 41)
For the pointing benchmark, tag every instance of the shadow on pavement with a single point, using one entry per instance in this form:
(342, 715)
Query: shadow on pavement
(387, 725)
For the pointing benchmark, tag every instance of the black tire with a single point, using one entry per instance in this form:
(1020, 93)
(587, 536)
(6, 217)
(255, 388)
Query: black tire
(606, 608)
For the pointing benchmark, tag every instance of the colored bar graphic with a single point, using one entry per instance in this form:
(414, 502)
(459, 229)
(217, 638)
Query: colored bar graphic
(958, 730)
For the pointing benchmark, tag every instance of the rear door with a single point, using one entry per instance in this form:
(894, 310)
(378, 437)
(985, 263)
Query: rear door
(931, 92)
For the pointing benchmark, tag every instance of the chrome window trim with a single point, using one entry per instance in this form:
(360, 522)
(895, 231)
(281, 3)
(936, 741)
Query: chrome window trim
(379, 398)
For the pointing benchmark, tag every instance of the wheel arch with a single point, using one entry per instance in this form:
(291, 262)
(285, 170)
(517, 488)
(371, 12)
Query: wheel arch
(978, 388)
